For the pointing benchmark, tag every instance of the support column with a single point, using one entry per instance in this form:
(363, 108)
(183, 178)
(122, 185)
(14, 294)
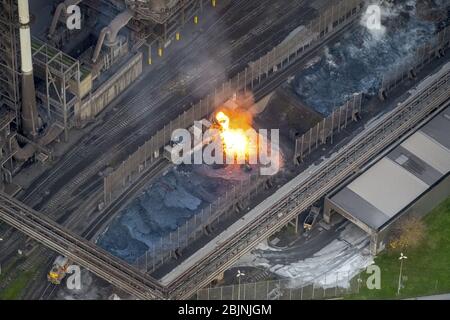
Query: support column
(326, 212)
(29, 110)
(374, 243)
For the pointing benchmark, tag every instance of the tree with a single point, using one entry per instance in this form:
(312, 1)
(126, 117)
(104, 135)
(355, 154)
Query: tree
(408, 233)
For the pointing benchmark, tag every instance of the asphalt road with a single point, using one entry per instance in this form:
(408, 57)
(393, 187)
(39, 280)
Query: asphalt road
(435, 297)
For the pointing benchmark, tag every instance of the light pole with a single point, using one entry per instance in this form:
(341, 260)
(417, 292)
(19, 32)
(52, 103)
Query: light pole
(239, 275)
(401, 258)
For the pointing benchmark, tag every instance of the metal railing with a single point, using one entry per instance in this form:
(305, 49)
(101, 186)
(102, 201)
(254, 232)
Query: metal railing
(78, 250)
(428, 97)
(331, 286)
(231, 202)
(324, 130)
(337, 285)
(335, 18)
(424, 55)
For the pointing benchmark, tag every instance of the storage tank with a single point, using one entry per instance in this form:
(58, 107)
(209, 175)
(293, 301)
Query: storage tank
(156, 10)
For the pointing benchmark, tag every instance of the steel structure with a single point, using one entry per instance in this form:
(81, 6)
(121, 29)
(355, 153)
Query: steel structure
(325, 178)
(429, 97)
(78, 249)
(6, 146)
(171, 245)
(329, 175)
(9, 85)
(158, 11)
(62, 75)
(273, 65)
(9, 53)
(161, 20)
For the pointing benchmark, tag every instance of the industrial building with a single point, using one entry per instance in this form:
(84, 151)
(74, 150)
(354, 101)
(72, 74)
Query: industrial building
(409, 181)
(54, 79)
(88, 117)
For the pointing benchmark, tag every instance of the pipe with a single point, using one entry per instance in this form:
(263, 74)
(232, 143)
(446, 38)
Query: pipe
(110, 32)
(62, 7)
(22, 154)
(25, 153)
(29, 110)
(98, 46)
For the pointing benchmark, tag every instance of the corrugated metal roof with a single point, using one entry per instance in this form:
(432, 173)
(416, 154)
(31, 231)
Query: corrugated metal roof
(415, 165)
(388, 187)
(395, 181)
(429, 151)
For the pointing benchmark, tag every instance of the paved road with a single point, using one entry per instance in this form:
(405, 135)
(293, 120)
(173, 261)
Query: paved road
(445, 296)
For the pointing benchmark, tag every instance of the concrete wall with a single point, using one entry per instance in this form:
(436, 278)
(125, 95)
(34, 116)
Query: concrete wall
(94, 103)
(418, 209)
(331, 208)
(343, 12)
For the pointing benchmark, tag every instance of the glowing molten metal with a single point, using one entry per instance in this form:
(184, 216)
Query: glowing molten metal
(235, 141)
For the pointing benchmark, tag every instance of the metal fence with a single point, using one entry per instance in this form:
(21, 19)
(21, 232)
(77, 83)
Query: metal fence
(333, 19)
(138, 162)
(305, 191)
(331, 286)
(171, 245)
(325, 129)
(423, 56)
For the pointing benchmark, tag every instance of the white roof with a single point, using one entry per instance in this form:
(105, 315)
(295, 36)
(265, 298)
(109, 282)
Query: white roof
(399, 178)
(429, 151)
(388, 187)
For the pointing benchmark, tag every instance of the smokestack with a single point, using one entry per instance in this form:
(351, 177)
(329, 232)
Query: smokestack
(29, 110)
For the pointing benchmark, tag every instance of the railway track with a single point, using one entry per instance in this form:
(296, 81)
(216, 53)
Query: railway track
(72, 159)
(324, 178)
(80, 153)
(113, 129)
(106, 137)
(426, 102)
(54, 204)
(65, 197)
(48, 292)
(78, 250)
(93, 229)
(310, 188)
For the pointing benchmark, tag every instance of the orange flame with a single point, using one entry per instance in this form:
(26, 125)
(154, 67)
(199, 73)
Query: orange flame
(234, 139)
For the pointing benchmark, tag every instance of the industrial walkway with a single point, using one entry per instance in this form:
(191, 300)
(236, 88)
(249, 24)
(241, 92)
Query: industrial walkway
(78, 250)
(308, 187)
(430, 97)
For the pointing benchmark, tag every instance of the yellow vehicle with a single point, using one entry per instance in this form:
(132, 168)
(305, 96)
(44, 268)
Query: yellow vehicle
(311, 218)
(59, 270)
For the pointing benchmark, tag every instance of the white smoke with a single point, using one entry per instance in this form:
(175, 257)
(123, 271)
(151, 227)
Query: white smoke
(376, 12)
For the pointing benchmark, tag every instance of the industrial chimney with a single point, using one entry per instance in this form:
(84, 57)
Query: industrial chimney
(29, 110)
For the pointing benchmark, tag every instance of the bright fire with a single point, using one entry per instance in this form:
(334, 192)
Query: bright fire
(234, 140)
